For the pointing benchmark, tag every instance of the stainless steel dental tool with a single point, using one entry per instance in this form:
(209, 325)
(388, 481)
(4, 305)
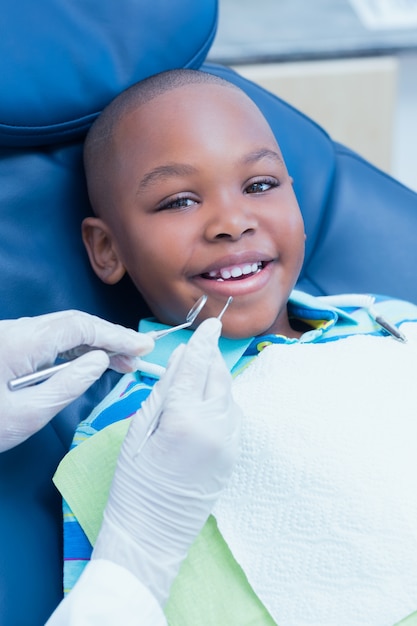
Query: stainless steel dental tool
(366, 302)
(226, 306)
(190, 319)
(155, 421)
(36, 377)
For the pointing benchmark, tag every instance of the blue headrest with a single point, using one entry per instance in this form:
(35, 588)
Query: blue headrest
(61, 62)
(59, 67)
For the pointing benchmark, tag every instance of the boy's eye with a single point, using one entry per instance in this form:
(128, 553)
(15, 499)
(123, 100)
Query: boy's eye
(260, 186)
(181, 202)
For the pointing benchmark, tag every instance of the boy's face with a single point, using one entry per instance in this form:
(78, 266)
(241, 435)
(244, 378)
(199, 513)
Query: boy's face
(205, 205)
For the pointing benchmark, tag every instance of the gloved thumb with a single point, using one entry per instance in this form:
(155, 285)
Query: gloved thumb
(194, 369)
(152, 407)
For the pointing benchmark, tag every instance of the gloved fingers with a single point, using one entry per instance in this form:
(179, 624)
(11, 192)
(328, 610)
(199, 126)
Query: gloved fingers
(28, 410)
(185, 386)
(153, 405)
(119, 362)
(193, 456)
(65, 386)
(184, 379)
(16, 337)
(192, 371)
(31, 343)
(187, 425)
(123, 363)
(219, 379)
(74, 331)
(220, 422)
(177, 397)
(220, 417)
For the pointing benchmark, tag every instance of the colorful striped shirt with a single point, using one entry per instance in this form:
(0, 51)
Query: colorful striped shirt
(325, 322)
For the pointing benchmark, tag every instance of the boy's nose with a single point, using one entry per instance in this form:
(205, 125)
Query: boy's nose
(230, 222)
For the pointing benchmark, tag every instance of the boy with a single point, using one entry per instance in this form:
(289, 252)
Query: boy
(191, 195)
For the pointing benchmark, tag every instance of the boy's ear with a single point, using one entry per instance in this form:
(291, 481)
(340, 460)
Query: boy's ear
(101, 250)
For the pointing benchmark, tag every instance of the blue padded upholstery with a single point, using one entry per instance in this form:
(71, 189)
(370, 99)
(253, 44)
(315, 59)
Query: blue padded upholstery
(367, 239)
(59, 67)
(60, 64)
(361, 224)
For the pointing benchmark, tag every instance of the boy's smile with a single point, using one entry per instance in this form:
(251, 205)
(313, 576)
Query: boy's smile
(201, 203)
(236, 275)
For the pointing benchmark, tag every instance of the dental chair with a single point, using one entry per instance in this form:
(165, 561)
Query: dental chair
(60, 65)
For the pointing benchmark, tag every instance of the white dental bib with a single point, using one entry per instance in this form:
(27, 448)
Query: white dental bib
(321, 510)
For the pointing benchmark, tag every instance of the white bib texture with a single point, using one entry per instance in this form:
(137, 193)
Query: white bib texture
(321, 511)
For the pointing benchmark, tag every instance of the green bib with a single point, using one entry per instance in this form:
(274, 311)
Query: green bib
(211, 588)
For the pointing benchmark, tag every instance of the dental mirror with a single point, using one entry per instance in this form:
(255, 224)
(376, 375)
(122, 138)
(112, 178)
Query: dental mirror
(190, 319)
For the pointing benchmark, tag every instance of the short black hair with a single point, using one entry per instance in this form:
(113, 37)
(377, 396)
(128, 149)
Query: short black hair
(97, 147)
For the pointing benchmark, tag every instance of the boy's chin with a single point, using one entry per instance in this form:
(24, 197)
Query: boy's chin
(239, 330)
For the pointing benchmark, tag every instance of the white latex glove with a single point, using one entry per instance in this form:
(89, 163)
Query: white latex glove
(161, 498)
(28, 344)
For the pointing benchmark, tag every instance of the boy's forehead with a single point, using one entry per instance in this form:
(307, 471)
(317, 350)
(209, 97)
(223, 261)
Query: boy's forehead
(190, 117)
(198, 100)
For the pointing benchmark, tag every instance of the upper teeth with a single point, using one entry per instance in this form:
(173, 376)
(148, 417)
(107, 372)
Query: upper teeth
(236, 270)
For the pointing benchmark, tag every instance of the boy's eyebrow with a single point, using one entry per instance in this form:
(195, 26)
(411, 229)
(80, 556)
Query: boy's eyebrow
(165, 171)
(263, 153)
(182, 169)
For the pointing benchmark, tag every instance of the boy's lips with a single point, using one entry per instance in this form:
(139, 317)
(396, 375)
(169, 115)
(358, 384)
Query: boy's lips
(237, 275)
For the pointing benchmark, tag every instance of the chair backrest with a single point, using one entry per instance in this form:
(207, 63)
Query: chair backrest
(361, 224)
(60, 64)
(59, 67)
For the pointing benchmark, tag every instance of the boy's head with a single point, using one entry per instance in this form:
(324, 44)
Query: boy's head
(191, 195)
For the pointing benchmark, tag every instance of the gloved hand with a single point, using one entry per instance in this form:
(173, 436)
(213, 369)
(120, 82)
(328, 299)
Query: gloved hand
(28, 344)
(161, 497)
